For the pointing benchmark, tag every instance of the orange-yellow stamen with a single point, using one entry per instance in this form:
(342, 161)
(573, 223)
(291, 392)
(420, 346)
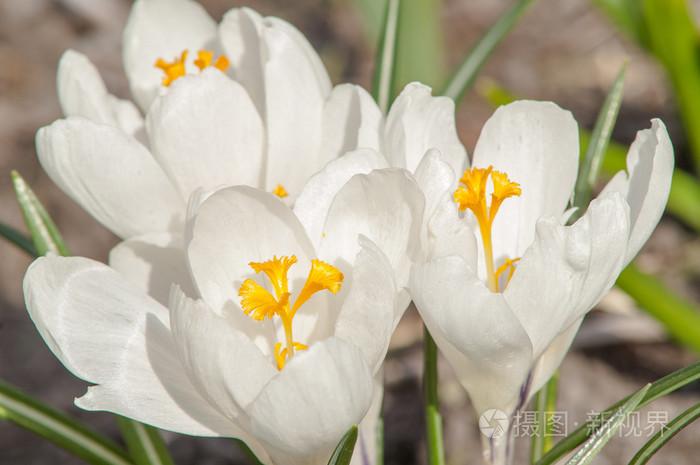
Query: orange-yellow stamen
(258, 303)
(173, 69)
(280, 191)
(508, 265)
(178, 67)
(471, 195)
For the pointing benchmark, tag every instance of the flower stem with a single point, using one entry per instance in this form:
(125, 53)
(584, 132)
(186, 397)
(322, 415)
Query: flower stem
(433, 420)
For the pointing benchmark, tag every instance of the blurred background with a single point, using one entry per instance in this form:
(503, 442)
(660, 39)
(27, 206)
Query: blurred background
(567, 51)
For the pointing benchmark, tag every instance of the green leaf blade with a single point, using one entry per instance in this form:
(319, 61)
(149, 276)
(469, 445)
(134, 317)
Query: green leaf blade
(43, 230)
(603, 434)
(18, 239)
(666, 433)
(145, 444)
(465, 75)
(343, 451)
(666, 385)
(385, 62)
(58, 428)
(598, 144)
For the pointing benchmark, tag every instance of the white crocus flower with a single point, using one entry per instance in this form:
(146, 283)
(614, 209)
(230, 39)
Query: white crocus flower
(250, 104)
(419, 135)
(504, 290)
(280, 350)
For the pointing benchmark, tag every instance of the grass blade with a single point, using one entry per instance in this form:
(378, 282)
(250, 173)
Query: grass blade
(385, 62)
(657, 389)
(433, 419)
(665, 434)
(145, 445)
(343, 451)
(680, 318)
(42, 229)
(545, 406)
(603, 434)
(58, 428)
(18, 238)
(598, 144)
(465, 75)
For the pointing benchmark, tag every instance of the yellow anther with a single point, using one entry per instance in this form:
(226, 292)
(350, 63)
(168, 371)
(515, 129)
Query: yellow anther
(280, 191)
(205, 58)
(178, 67)
(258, 303)
(276, 271)
(471, 195)
(173, 69)
(507, 265)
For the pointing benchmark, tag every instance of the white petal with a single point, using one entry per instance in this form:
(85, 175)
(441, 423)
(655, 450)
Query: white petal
(107, 331)
(224, 364)
(367, 316)
(384, 205)
(236, 226)
(153, 263)
(418, 122)
(205, 132)
(536, 144)
(476, 331)
(311, 207)
(650, 167)
(81, 92)
(435, 178)
(111, 175)
(567, 269)
(162, 29)
(274, 64)
(448, 234)
(304, 411)
(241, 34)
(351, 120)
(552, 357)
(368, 436)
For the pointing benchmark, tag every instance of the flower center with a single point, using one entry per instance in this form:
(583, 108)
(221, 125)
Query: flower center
(177, 68)
(471, 195)
(280, 191)
(258, 303)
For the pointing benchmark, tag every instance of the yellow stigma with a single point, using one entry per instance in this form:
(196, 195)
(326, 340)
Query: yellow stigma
(258, 303)
(471, 195)
(178, 67)
(280, 191)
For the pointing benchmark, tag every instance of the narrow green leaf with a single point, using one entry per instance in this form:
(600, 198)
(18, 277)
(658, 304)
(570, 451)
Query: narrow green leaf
(680, 317)
(659, 388)
(45, 235)
(464, 77)
(343, 451)
(18, 238)
(685, 189)
(673, 38)
(382, 87)
(58, 428)
(420, 55)
(433, 419)
(604, 433)
(598, 144)
(145, 445)
(666, 433)
(379, 457)
(545, 406)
